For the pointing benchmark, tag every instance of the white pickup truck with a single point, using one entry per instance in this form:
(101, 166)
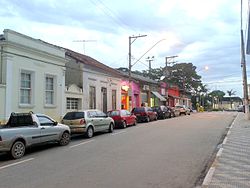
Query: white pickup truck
(27, 129)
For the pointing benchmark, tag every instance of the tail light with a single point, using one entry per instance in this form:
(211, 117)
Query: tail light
(82, 121)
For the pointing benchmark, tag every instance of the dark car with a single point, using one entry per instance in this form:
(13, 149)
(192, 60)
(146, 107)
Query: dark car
(162, 111)
(144, 114)
(122, 118)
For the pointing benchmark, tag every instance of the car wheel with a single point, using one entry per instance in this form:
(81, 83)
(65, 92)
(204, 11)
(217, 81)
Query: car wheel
(65, 139)
(90, 132)
(156, 118)
(124, 124)
(111, 127)
(147, 119)
(135, 123)
(17, 150)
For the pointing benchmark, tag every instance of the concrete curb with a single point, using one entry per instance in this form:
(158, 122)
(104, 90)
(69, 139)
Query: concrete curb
(210, 173)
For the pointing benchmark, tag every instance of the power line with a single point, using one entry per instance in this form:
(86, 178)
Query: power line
(111, 14)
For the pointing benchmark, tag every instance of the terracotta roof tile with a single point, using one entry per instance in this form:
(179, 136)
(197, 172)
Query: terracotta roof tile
(92, 62)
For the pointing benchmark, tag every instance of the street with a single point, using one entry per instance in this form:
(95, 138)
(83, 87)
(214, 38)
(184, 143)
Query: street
(165, 153)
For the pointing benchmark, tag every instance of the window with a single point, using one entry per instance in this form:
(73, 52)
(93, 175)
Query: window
(113, 99)
(26, 88)
(45, 121)
(73, 103)
(49, 90)
(92, 97)
(92, 114)
(74, 115)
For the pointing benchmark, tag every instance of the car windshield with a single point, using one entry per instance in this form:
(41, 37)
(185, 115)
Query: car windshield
(113, 113)
(138, 110)
(74, 115)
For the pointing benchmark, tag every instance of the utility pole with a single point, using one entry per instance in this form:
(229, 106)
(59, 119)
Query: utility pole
(129, 52)
(244, 74)
(169, 60)
(84, 41)
(150, 59)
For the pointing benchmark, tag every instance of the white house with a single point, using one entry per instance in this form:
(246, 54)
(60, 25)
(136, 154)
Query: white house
(96, 86)
(32, 76)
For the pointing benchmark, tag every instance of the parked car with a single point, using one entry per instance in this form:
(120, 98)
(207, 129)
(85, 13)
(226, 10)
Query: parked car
(122, 118)
(144, 114)
(162, 111)
(182, 109)
(88, 122)
(27, 129)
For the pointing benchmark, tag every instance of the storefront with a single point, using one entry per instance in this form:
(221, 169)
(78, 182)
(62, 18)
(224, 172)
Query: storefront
(135, 97)
(157, 99)
(173, 95)
(125, 95)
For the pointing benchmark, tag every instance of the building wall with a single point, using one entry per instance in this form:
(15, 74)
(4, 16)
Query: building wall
(136, 97)
(99, 80)
(2, 102)
(22, 53)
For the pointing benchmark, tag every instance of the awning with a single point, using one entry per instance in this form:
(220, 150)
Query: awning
(158, 95)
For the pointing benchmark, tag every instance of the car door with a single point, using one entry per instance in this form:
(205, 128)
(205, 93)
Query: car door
(151, 113)
(104, 120)
(49, 130)
(124, 115)
(130, 118)
(93, 120)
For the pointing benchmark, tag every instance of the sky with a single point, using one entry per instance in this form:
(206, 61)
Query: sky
(205, 33)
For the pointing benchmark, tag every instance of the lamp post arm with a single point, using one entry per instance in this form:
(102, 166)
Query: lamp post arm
(147, 52)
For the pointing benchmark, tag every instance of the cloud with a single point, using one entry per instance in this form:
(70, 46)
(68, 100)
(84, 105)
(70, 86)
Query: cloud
(201, 32)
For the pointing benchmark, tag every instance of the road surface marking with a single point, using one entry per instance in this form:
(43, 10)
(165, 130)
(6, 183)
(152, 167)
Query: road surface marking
(118, 133)
(82, 143)
(13, 164)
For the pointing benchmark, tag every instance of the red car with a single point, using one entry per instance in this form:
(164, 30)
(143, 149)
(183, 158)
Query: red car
(122, 118)
(144, 114)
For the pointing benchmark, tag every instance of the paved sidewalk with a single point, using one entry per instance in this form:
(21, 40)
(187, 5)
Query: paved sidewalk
(231, 168)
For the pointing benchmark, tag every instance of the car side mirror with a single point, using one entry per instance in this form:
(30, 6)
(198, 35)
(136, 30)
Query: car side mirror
(55, 123)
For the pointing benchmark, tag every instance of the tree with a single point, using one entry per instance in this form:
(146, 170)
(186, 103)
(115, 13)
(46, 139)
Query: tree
(217, 94)
(185, 76)
(230, 93)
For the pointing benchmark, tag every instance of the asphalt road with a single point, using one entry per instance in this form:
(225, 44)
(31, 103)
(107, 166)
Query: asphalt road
(165, 153)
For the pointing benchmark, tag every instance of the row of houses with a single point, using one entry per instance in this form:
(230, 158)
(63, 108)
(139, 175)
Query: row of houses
(44, 78)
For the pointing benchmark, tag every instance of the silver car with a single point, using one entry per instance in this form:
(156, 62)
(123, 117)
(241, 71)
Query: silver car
(27, 129)
(88, 122)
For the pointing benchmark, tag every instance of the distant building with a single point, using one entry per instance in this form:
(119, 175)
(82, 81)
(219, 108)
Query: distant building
(231, 103)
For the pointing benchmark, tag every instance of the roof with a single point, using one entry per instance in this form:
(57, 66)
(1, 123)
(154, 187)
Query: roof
(92, 62)
(138, 77)
(235, 99)
(158, 95)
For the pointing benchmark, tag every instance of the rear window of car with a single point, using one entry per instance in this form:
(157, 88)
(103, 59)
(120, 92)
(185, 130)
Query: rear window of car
(136, 110)
(74, 115)
(114, 113)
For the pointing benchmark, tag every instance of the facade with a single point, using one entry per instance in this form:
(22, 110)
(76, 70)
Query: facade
(32, 76)
(141, 91)
(231, 103)
(130, 94)
(173, 95)
(100, 84)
